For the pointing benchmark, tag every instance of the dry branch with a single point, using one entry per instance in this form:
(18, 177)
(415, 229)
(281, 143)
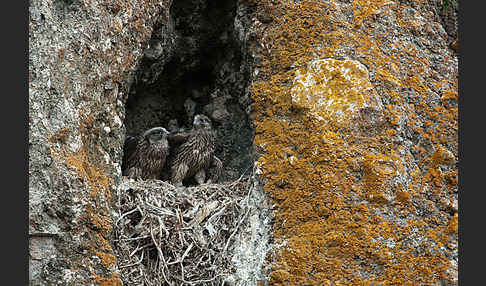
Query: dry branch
(178, 236)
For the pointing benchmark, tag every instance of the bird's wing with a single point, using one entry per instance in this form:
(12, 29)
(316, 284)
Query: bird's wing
(216, 169)
(178, 138)
(129, 147)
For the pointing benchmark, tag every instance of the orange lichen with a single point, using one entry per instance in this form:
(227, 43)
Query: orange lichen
(98, 181)
(333, 90)
(376, 170)
(453, 226)
(108, 281)
(85, 64)
(97, 219)
(403, 197)
(107, 259)
(310, 166)
(442, 157)
(61, 136)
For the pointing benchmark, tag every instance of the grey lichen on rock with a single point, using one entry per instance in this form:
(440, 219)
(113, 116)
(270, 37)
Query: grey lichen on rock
(369, 162)
(82, 55)
(95, 69)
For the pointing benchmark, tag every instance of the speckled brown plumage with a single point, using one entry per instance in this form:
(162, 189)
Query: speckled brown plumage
(195, 157)
(145, 156)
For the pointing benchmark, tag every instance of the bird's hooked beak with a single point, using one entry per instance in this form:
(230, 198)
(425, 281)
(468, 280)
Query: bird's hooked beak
(197, 120)
(157, 130)
(201, 121)
(164, 132)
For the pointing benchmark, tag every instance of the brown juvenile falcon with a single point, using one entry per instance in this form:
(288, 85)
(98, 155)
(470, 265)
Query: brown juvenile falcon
(144, 156)
(195, 156)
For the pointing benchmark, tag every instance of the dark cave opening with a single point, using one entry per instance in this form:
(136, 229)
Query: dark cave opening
(202, 69)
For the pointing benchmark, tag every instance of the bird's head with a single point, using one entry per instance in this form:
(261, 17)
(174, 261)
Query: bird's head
(156, 134)
(202, 122)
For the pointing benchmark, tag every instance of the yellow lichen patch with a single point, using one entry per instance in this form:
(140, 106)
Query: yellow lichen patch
(100, 222)
(385, 75)
(435, 176)
(108, 281)
(332, 89)
(332, 186)
(108, 259)
(281, 275)
(453, 225)
(98, 181)
(442, 156)
(377, 170)
(403, 197)
(365, 9)
(61, 136)
(95, 217)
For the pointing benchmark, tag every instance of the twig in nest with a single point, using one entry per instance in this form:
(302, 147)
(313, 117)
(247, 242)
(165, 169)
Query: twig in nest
(132, 238)
(240, 222)
(235, 230)
(133, 264)
(125, 214)
(140, 248)
(191, 230)
(161, 254)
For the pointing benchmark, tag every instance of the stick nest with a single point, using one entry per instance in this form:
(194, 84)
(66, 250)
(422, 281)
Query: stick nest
(178, 236)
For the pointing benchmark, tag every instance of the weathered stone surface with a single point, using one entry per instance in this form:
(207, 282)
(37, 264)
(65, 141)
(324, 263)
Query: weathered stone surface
(335, 91)
(87, 58)
(363, 192)
(371, 201)
(82, 55)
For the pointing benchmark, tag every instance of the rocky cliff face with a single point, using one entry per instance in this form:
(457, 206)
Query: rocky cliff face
(82, 57)
(347, 108)
(356, 107)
